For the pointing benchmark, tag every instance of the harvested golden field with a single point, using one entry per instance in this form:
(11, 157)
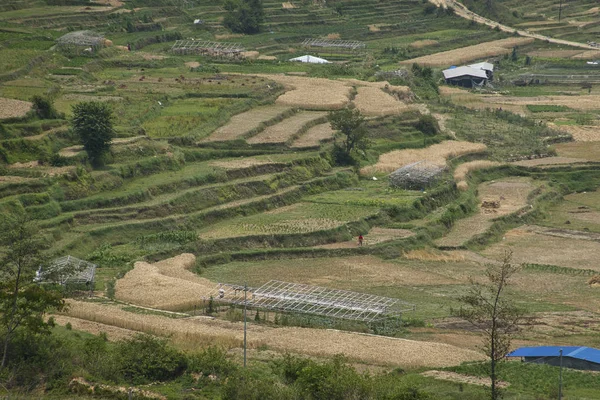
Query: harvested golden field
(240, 163)
(589, 151)
(202, 331)
(286, 129)
(507, 196)
(474, 101)
(167, 284)
(312, 93)
(113, 333)
(461, 172)
(436, 154)
(11, 108)
(581, 102)
(419, 44)
(555, 53)
(470, 53)
(373, 101)
(581, 133)
(431, 255)
(531, 245)
(587, 55)
(376, 235)
(549, 161)
(314, 136)
(241, 124)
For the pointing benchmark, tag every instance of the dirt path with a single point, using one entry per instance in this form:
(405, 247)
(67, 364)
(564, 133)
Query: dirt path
(455, 377)
(464, 12)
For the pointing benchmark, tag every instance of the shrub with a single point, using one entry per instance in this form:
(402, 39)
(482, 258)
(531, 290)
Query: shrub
(211, 361)
(44, 109)
(144, 358)
(428, 125)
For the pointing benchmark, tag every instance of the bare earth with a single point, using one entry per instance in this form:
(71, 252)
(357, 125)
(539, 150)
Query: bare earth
(11, 108)
(456, 377)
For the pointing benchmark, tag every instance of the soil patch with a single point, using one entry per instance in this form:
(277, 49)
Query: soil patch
(456, 377)
(11, 108)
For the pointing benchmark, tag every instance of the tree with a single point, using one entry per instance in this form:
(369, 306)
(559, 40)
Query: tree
(353, 134)
(92, 122)
(243, 16)
(22, 302)
(43, 108)
(496, 317)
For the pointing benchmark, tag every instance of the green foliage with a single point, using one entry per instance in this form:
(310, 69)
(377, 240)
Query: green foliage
(428, 125)
(243, 16)
(145, 359)
(211, 361)
(92, 122)
(537, 108)
(43, 108)
(353, 135)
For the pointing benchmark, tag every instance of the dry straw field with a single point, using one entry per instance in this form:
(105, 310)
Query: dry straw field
(312, 93)
(200, 331)
(436, 154)
(461, 172)
(419, 44)
(314, 136)
(467, 99)
(580, 133)
(239, 163)
(167, 285)
(373, 101)
(470, 53)
(286, 129)
(581, 102)
(11, 108)
(241, 124)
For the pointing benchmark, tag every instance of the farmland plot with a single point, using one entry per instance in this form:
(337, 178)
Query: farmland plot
(436, 154)
(312, 93)
(314, 136)
(470, 53)
(373, 101)
(11, 108)
(241, 124)
(297, 218)
(286, 129)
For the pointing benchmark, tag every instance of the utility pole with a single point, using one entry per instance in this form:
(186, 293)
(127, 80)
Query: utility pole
(560, 377)
(559, 10)
(245, 302)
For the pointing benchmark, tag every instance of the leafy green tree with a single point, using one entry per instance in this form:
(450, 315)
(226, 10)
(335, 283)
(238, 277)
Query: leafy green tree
(244, 16)
(353, 136)
(488, 309)
(43, 108)
(92, 122)
(22, 301)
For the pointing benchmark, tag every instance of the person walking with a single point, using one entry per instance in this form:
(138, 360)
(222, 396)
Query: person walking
(360, 239)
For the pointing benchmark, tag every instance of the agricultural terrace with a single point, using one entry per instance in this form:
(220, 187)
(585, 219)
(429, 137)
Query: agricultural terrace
(223, 170)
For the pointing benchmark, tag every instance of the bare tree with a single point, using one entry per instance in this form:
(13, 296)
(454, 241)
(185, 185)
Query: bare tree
(488, 309)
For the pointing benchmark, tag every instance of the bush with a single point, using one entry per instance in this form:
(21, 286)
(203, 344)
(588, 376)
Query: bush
(428, 125)
(44, 109)
(145, 359)
(211, 361)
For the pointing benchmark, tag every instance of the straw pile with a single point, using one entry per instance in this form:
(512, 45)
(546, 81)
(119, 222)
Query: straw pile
(312, 93)
(433, 155)
(317, 342)
(11, 108)
(167, 285)
(314, 136)
(242, 123)
(470, 53)
(286, 129)
(461, 172)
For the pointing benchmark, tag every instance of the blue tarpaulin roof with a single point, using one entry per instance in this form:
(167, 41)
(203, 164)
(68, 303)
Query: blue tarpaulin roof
(582, 353)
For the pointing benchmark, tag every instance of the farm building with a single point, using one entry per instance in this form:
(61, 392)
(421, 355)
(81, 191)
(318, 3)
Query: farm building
(310, 59)
(80, 42)
(575, 357)
(484, 66)
(68, 270)
(416, 176)
(465, 76)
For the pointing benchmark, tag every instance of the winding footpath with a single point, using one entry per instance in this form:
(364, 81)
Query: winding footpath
(462, 11)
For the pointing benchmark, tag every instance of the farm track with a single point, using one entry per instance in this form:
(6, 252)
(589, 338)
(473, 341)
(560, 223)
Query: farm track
(462, 11)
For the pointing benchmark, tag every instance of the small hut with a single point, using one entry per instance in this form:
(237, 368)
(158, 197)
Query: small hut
(68, 271)
(80, 42)
(416, 176)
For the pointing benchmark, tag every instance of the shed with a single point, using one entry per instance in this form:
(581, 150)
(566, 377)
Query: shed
(310, 59)
(79, 42)
(576, 357)
(485, 66)
(416, 176)
(68, 270)
(465, 76)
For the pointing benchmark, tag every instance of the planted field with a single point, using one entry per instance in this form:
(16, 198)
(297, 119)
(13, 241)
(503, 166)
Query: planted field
(375, 236)
(243, 123)
(577, 211)
(374, 101)
(436, 154)
(369, 193)
(285, 130)
(314, 136)
(462, 171)
(11, 108)
(582, 133)
(297, 218)
(589, 151)
(470, 53)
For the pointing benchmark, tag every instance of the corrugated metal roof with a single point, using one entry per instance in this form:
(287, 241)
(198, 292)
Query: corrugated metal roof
(581, 353)
(486, 66)
(464, 71)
